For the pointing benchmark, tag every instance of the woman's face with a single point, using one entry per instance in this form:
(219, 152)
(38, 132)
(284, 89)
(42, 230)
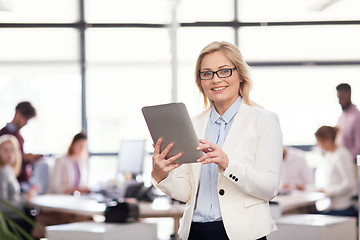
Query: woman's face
(7, 153)
(222, 91)
(79, 147)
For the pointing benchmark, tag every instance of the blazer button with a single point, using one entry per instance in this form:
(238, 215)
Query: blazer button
(233, 177)
(221, 192)
(236, 179)
(230, 176)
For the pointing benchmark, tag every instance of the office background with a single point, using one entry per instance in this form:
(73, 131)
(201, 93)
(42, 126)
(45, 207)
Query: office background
(92, 65)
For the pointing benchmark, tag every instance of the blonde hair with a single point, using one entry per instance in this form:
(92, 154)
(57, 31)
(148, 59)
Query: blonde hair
(7, 138)
(242, 69)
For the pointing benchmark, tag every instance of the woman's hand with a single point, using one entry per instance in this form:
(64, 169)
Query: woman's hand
(213, 154)
(32, 192)
(162, 166)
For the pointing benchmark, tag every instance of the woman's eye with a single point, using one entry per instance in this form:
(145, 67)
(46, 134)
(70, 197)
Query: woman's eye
(224, 71)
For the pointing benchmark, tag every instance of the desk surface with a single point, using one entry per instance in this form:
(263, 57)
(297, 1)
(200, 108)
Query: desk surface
(89, 207)
(159, 208)
(83, 206)
(297, 199)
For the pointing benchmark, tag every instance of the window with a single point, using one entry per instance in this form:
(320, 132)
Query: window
(124, 74)
(39, 11)
(306, 10)
(98, 70)
(300, 43)
(304, 97)
(115, 11)
(54, 91)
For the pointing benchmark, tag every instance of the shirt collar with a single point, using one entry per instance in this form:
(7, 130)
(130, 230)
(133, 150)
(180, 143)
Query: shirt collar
(11, 127)
(228, 115)
(351, 108)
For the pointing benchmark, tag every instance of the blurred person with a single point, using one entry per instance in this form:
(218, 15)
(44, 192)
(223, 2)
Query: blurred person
(295, 172)
(349, 121)
(70, 173)
(67, 176)
(228, 190)
(10, 165)
(340, 182)
(24, 111)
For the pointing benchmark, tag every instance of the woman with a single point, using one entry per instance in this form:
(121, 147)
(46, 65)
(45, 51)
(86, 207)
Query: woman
(339, 170)
(69, 174)
(70, 171)
(10, 166)
(227, 194)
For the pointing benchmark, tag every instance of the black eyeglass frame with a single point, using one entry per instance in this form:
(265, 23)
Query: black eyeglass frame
(213, 73)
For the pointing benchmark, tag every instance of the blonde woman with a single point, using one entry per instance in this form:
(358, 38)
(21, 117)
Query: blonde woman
(228, 191)
(10, 165)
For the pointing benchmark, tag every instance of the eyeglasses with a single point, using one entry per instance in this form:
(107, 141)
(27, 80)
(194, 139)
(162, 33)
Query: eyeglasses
(222, 73)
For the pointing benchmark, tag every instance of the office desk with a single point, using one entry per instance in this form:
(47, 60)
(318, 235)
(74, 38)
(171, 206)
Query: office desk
(314, 227)
(297, 200)
(85, 207)
(102, 231)
(68, 204)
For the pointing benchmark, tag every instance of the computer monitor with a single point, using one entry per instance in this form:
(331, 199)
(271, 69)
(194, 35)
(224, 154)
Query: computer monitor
(131, 157)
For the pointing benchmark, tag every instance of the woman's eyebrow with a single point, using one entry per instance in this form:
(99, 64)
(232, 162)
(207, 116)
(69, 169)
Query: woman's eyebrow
(225, 65)
(206, 69)
(209, 69)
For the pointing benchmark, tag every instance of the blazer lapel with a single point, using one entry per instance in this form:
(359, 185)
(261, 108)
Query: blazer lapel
(240, 122)
(200, 125)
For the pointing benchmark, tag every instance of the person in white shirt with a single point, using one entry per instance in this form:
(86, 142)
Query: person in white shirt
(340, 183)
(295, 172)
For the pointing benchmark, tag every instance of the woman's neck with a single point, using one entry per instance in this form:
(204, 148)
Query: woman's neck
(221, 108)
(74, 157)
(332, 148)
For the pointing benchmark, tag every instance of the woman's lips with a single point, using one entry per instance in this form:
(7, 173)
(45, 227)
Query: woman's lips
(218, 88)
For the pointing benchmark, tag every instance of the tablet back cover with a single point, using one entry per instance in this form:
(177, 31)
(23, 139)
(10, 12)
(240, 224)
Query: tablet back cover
(172, 123)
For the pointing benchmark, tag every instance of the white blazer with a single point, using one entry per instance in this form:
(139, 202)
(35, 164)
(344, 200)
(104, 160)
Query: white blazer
(62, 175)
(254, 147)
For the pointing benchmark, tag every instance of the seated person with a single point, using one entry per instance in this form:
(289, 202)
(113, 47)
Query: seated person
(295, 172)
(10, 166)
(69, 172)
(340, 180)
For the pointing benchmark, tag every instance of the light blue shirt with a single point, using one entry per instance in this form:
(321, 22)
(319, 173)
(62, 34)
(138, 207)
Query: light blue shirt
(207, 207)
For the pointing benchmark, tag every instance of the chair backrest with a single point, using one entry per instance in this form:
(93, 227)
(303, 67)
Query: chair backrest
(41, 174)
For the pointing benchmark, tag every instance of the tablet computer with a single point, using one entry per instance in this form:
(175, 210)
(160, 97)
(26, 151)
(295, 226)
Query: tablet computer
(172, 123)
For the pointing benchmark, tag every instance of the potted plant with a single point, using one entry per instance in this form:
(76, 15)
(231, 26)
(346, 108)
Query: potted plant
(9, 230)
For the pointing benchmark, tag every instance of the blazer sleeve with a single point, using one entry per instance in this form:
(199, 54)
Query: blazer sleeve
(260, 177)
(176, 184)
(58, 182)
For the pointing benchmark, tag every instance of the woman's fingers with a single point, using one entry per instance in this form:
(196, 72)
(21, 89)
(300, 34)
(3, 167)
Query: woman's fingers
(160, 157)
(165, 152)
(206, 146)
(213, 154)
(157, 146)
(207, 158)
